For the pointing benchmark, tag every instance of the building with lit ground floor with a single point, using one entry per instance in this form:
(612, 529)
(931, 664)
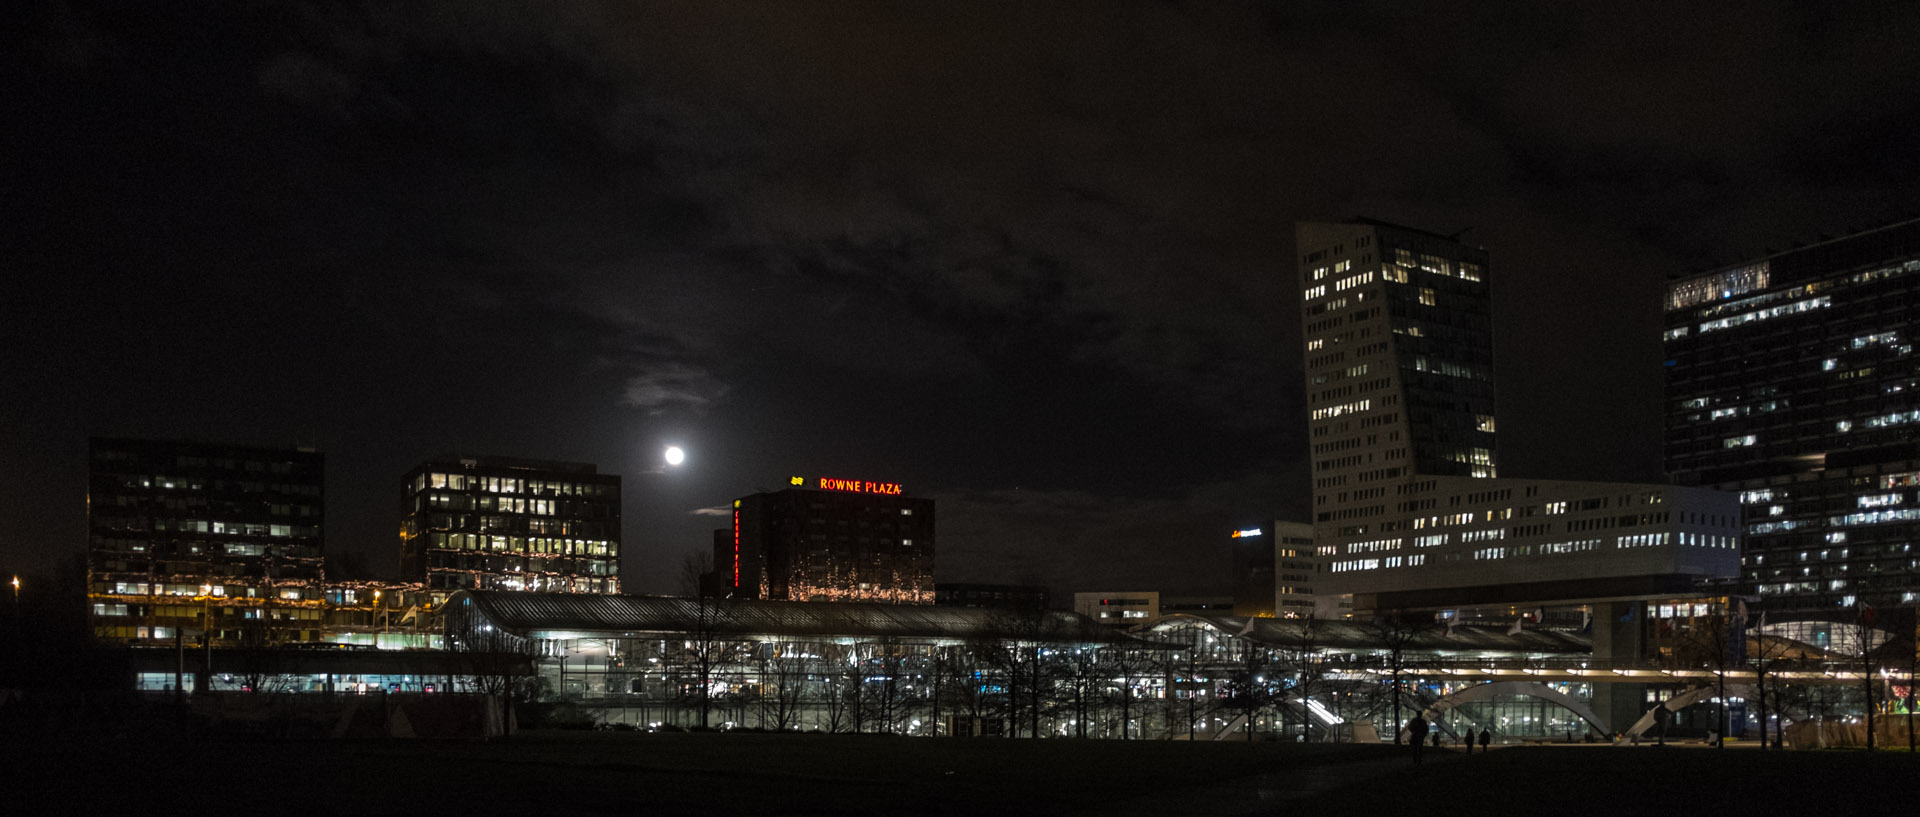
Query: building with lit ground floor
(857, 667)
(204, 537)
(1523, 682)
(815, 666)
(1792, 381)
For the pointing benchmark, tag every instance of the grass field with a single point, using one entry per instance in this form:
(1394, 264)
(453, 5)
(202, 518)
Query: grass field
(732, 774)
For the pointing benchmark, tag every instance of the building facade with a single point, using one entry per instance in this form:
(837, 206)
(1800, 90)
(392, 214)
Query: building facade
(192, 538)
(1273, 569)
(1119, 609)
(1792, 381)
(510, 524)
(1409, 510)
(827, 539)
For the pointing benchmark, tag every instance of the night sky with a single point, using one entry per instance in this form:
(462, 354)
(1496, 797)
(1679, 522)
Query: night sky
(1032, 260)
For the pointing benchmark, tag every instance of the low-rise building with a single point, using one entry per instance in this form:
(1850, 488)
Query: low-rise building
(1120, 609)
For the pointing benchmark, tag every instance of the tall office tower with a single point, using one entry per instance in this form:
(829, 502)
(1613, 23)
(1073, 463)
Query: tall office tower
(499, 523)
(1399, 360)
(1408, 512)
(186, 536)
(1793, 381)
(838, 540)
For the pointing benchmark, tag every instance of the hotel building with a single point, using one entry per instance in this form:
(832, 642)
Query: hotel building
(1792, 381)
(499, 523)
(1409, 510)
(827, 539)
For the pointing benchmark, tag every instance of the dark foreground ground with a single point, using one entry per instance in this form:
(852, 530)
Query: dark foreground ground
(737, 774)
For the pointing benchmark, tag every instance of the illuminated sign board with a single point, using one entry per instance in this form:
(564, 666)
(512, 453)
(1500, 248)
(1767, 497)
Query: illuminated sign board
(1242, 534)
(854, 486)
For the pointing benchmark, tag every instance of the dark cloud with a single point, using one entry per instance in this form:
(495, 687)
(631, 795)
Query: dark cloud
(963, 247)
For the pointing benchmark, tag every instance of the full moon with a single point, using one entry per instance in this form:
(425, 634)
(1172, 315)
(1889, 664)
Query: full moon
(675, 456)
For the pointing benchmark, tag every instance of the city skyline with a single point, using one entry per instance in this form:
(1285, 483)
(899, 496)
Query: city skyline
(1021, 265)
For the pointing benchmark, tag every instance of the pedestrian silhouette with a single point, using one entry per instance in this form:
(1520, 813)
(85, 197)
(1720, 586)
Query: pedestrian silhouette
(1486, 737)
(1417, 730)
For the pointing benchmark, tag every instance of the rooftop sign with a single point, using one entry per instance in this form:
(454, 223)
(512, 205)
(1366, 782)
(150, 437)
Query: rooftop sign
(854, 486)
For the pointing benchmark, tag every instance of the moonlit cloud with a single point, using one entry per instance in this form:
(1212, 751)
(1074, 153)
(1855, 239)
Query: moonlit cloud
(668, 385)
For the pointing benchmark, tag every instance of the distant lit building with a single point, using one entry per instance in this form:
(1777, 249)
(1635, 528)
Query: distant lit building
(187, 537)
(996, 596)
(1273, 570)
(1200, 605)
(499, 523)
(1792, 381)
(1120, 608)
(1408, 509)
(827, 539)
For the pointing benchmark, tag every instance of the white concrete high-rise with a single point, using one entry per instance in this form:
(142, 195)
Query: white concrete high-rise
(1408, 507)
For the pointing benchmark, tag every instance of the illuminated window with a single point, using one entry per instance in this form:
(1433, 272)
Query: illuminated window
(1717, 286)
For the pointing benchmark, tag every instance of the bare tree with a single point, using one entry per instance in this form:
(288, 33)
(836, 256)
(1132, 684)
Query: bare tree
(1867, 649)
(705, 642)
(968, 671)
(840, 685)
(1023, 636)
(1768, 655)
(1248, 687)
(1394, 632)
(783, 665)
(1717, 642)
(1083, 680)
(496, 662)
(1129, 662)
(1300, 650)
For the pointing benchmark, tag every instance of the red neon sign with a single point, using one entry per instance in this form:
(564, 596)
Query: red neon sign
(859, 486)
(736, 548)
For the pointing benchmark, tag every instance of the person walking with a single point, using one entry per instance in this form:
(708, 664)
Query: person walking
(1417, 732)
(1466, 738)
(1486, 737)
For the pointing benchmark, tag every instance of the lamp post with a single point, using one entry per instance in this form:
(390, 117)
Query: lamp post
(206, 636)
